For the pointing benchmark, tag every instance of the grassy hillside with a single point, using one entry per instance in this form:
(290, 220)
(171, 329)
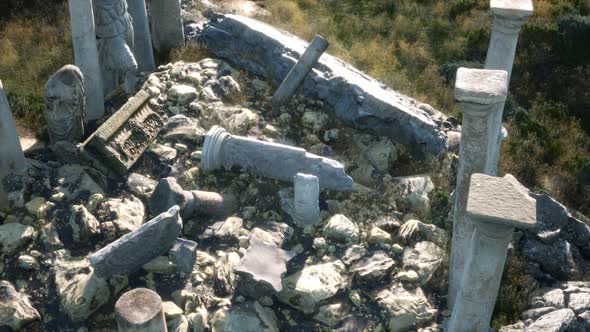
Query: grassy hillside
(416, 47)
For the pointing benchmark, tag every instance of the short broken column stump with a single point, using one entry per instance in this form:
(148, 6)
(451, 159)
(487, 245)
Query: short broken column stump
(138, 310)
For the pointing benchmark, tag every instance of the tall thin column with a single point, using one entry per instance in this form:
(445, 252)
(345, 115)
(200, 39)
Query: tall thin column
(495, 207)
(297, 74)
(12, 158)
(508, 19)
(142, 48)
(167, 27)
(86, 55)
(482, 94)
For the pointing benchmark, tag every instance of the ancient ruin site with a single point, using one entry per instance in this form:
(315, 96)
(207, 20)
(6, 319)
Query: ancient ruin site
(268, 185)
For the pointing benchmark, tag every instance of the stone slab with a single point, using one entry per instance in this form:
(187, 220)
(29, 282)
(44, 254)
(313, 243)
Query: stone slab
(503, 200)
(121, 140)
(357, 99)
(512, 8)
(481, 86)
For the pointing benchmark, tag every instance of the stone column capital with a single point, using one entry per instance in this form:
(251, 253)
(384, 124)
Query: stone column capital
(509, 15)
(481, 86)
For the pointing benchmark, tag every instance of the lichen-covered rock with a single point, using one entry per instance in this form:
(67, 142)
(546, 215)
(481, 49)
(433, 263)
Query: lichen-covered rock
(246, 317)
(306, 289)
(341, 229)
(16, 310)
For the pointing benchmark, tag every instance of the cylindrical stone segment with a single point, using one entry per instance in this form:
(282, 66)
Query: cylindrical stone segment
(86, 56)
(12, 158)
(508, 19)
(168, 193)
(128, 253)
(167, 28)
(306, 199)
(140, 310)
(272, 160)
(142, 48)
(482, 94)
(297, 74)
(495, 207)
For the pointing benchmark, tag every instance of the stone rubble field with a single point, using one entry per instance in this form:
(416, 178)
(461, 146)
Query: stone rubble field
(374, 260)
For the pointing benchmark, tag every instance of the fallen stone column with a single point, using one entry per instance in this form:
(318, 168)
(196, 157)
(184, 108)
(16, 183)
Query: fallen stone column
(132, 250)
(168, 193)
(508, 19)
(482, 94)
(12, 158)
(167, 27)
(495, 207)
(297, 74)
(358, 100)
(140, 309)
(142, 47)
(275, 161)
(86, 55)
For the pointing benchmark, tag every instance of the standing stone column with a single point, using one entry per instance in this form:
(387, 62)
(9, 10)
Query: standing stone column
(86, 55)
(495, 207)
(167, 27)
(508, 19)
(144, 54)
(12, 158)
(297, 74)
(482, 94)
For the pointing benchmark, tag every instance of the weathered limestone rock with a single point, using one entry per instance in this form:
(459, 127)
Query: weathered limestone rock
(140, 309)
(114, 40)
(373, 268)
(16, 310)
(142, 41)
(297, 74)
(341, 229)
(181, 93)
(168, 193)
(134, 249)
(12, 158)
(128, 213)
(358, 100)
(306, 289)
(74, 181)
(413, 191)
(86, 55)
(122, 139)
(83, 224)
(405, 307)
(555, 321)
(15, 235)
(65, 102)
(272, 160)
(167, 28)
(246, 317)
(508, 18)
(495, 207)
(332, 314)
(424, 258)
(482, 93)
(183, 254)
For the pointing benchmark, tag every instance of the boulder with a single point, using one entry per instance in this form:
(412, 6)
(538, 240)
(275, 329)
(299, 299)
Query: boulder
(341, 229)
(405, 308)
(246, 317)
(15, 235)
(128, 213)
(16, 310)
(424, 258)
(555, 321)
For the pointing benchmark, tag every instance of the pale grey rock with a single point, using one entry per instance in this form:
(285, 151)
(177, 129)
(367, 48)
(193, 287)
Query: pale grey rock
(128, 213)
(332, 314)
(160, 265)
(199, 319)
(65, 102)
(315, 121)
(140, 185)
(83, 224)
(27, 262)
(225, 276)
(553, 297)
(134, 249)
(164, 153)
(353, 254)
(183, 254)
(579, 302)
(50, 238)
(372, 268)
(180, 128)
(429, 232)
(536, 312)
(74, 180)
(178, 324)
(246, 317)
(15, 235)
(181, 93)
(379, 236)
(480, 86)
(272, 232)
(305, 209)
(341, 229)
(561, 259)
(237, 120)
(229, 229)
(357, 99)
(425, 258)
(405, 308)
(308, 288)
(414, 190)
(555, 321)
(171, 310)
(16, 311)
(80, 291)
(230, 89)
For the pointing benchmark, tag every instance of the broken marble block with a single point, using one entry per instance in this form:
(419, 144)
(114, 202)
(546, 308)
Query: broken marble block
(262, 269)
(132, 250)
(121, 140)
(184, 254)
(272, 160)
(168, 193)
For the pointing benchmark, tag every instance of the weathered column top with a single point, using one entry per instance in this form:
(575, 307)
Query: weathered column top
(501, 200)
(481, 86)
(512, 9)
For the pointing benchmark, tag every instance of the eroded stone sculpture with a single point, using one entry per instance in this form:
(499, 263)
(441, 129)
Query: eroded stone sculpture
(495, 207)
(114, 38)
(66, 103)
